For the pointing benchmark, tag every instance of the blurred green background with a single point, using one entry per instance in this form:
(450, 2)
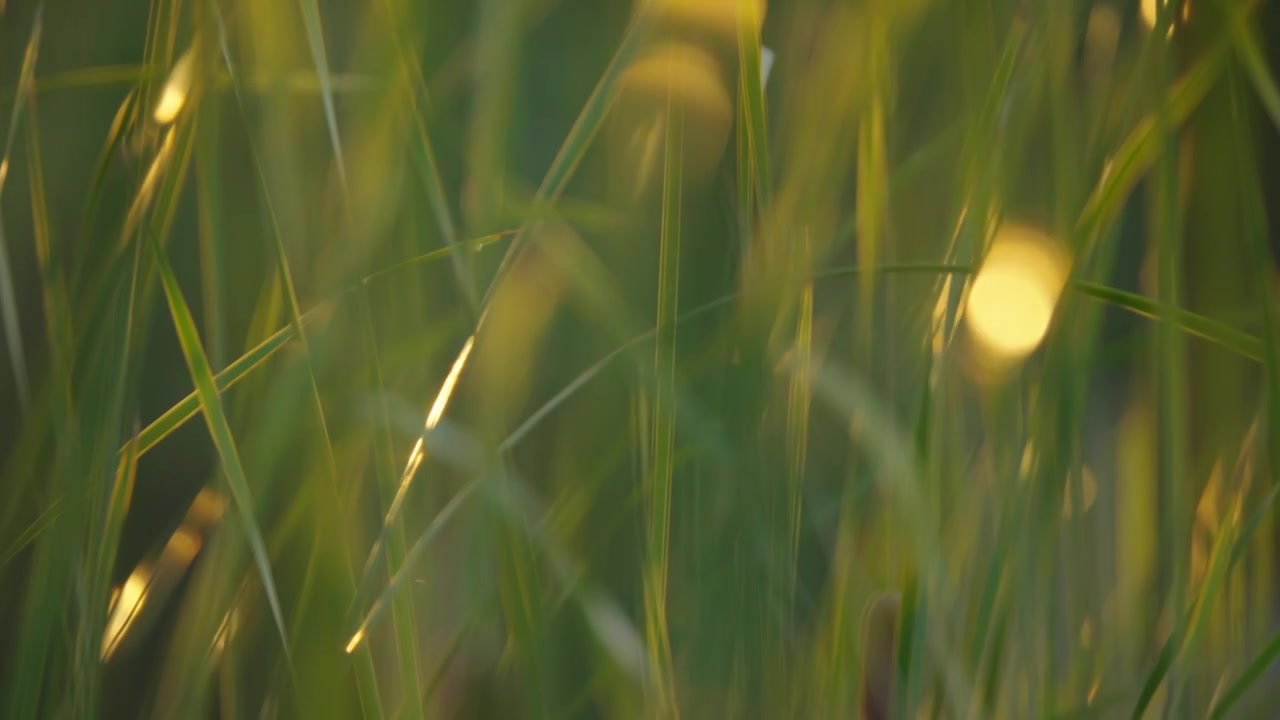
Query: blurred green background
(600, 359)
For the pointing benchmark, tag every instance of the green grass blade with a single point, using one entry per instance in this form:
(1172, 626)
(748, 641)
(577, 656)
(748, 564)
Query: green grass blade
(116, 135)
(799, 404)
(1135, 155)
(384, 468)
(1249, 49)
(414, 88)
(32, 531)
(753, 123)
(8, 295)
(662, 460)
(1270, 652)
(185, 409)
(210, 402)
(575, 145)
(424, 541)
(210, 212)
(320, 58)
(1186, 634)
(1255, 227)
(256, 357)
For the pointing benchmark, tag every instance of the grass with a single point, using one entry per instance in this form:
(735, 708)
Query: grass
(553, 361)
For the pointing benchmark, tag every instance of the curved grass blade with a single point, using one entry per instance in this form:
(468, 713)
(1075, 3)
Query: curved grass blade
(115, 136)
(210, 402)
(1249, 49)
(1255, 227)
(1200, 326)
(1139, 150)
(8, 296)
(1187, 632)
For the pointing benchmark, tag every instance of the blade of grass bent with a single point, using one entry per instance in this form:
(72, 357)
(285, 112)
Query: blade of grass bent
(1140, 148)
(1249, 49)
(8, 296)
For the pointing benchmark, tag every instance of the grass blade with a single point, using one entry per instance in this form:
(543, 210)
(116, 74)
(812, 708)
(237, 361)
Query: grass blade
(8, 295)
(1249, 49)
(753, 123)
(1187, 632)
(384, 468)
(1139, 150)
(210, 403)
(27, 536)
(658, 525)
(1251, 673)
(320, 58)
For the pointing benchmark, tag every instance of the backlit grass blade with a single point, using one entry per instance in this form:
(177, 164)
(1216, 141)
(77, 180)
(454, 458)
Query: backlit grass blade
(562, 167)
(414, 88)
(210, 402)
(584, 130)
(1200, 326)
(210, 211)
(1255, 227)
(1134, 156)
(1249, 49)
(57, 299)
(757, 173)
(424, 541)
(320, 58)
(116, 135)
(662, 460)
(799, 402)
(179, 414)
(185, 409)
(8, 295)
(1186, 633)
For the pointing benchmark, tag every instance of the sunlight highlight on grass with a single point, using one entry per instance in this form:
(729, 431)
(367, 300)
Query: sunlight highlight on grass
(417, 455)
(148, 580)
(127, 602)
(176, 89)
(1150, 11)
(1013, 296)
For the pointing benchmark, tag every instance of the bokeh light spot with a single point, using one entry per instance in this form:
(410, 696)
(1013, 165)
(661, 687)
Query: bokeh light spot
(1013, 296)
